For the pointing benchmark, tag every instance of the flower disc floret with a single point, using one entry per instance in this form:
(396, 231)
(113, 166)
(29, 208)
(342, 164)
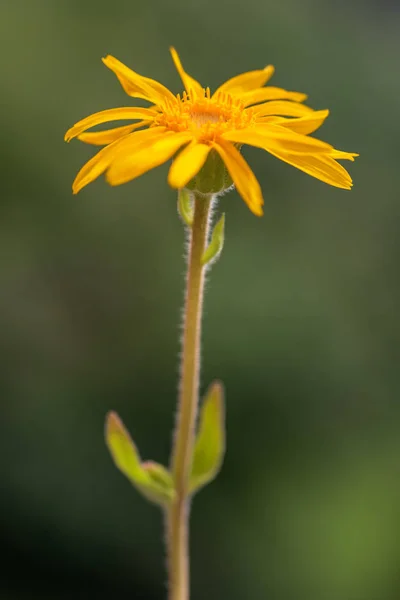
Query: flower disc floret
(205, 117)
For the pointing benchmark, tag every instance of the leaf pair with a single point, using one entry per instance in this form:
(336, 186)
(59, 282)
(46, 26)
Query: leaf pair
(153, 480)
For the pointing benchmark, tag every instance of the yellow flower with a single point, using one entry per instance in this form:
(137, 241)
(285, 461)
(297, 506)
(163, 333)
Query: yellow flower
(189, 126)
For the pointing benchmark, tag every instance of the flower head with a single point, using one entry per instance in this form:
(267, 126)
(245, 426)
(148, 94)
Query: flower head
(193, 126)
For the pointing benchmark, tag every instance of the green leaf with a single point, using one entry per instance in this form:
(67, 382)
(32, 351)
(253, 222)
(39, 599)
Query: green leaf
(185, 207)
(216, 244)
(210, 441)
(158, 474)
(151, 479)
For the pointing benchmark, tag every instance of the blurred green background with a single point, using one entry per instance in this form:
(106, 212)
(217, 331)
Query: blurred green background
(301, 312)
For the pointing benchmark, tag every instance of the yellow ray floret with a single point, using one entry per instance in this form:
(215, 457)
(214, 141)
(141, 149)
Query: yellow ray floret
(191, 125)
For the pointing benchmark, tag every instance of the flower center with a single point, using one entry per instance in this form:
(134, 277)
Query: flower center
(205, 116)
(202, 118)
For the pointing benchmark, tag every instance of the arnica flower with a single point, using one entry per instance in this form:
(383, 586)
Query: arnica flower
(195, 125)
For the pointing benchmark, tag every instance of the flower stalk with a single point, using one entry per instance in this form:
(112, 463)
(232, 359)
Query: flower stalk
(188, 401)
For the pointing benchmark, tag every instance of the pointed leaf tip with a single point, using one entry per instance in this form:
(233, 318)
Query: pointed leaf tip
(151, 479)
(114, 423)
(216, 244)
(210, 442)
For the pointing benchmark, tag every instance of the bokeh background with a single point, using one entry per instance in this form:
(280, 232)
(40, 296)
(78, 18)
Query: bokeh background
(301, 312)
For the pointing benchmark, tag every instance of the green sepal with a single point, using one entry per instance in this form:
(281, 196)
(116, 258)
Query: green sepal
(185, 207)
(210, 440)
(213, 177)
(216, 244)
(152, 480)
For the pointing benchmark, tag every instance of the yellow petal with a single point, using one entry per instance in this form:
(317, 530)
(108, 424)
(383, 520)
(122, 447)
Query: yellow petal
(102, 138)
(132, 162)
(187, 164)
(102, 160)
(94, 167)
(136, 85)
(190, 84)
(271, 93)
(105, 116)
(283, 108)
(242, 176)
(303, 125)
(338, 154)
(246, 82)
(274, 137)
(322, 167)
(138, 140)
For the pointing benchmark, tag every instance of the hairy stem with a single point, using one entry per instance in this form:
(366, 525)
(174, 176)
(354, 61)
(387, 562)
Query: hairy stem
(182, 452)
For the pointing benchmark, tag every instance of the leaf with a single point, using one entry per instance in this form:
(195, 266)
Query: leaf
(161, 479)
(210, 441)
(216, 244)
(151, 479)
(185, 207)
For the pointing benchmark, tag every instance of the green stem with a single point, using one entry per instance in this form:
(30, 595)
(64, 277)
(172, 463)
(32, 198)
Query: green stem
(182, 452)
